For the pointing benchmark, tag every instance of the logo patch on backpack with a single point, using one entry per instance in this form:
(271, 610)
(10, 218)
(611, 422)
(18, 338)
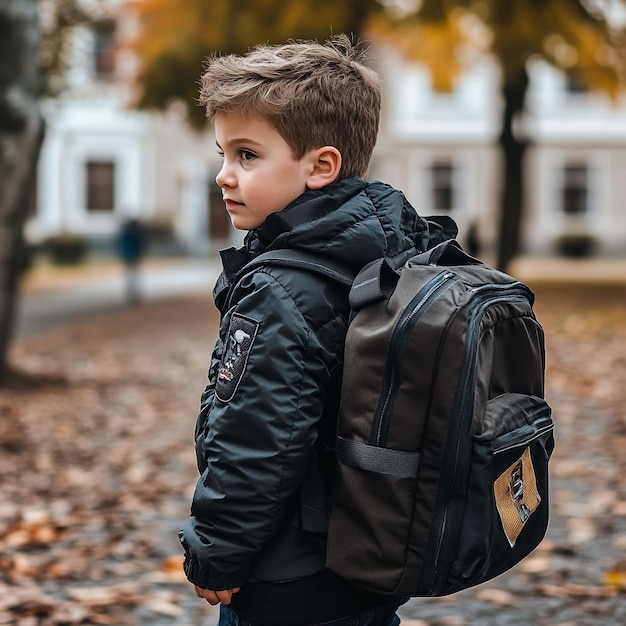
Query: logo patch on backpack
(517, 496)
(239, 340)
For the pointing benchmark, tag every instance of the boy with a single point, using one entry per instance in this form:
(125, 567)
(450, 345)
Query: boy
(296, 125)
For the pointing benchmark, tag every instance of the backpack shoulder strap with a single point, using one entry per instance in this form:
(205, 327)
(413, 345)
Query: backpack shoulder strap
(304, 260)
(377, 280)
(300, 259)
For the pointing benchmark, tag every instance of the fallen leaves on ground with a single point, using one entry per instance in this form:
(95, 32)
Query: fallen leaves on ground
(97, 469)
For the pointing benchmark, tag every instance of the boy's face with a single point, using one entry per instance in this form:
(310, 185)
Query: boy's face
(259, 175)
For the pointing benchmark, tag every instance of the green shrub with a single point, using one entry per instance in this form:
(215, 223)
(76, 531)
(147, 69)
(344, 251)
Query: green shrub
(577, 245)
(66, 249)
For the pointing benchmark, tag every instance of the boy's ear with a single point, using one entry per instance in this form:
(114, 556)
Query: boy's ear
(325, 166)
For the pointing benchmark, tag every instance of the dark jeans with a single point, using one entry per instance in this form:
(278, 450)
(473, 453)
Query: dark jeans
(383, 616)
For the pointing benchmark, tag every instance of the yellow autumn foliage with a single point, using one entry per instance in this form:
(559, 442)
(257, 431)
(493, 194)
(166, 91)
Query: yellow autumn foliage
(438, 44)
(175, 36)
(441, 34)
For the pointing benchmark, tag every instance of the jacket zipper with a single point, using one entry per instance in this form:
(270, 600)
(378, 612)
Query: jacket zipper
(465, 397)
(397, 343)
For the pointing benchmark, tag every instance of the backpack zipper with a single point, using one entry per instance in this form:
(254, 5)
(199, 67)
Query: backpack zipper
(465, 400)
(536, 430)
(397, 342)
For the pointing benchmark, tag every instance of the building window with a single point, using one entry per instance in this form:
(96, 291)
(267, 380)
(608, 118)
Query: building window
(442, 185)
(575, 193)
(100, 185)
(574, 85)
(104, 50)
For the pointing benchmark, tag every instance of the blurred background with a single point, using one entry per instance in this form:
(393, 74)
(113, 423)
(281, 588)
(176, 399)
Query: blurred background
(510, 117)
(484, 106)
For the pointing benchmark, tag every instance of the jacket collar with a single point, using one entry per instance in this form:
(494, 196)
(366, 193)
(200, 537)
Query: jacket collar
(311, 205)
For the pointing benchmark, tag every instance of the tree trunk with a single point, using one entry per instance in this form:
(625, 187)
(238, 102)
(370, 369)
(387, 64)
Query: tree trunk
(513, 149)
(21, 133)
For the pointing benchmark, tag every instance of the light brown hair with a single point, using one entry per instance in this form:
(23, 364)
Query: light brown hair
(313, 94)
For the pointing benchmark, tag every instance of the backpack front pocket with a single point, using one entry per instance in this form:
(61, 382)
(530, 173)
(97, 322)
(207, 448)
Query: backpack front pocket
(506, 504)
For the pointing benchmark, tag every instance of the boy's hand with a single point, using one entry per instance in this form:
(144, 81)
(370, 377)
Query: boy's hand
(215, 597)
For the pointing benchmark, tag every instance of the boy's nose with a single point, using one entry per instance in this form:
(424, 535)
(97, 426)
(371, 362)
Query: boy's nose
(225, 177)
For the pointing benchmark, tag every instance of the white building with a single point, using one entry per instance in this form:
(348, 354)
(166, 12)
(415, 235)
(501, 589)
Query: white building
(441, 150)
(102, 162)
(575, 181)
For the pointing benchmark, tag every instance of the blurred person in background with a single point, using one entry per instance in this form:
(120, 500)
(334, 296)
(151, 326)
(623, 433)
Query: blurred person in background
(131, 246)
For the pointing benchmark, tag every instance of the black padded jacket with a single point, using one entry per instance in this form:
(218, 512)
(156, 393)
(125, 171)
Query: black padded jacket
(274, 380)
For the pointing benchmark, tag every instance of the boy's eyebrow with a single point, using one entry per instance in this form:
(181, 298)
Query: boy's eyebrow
(238, 140)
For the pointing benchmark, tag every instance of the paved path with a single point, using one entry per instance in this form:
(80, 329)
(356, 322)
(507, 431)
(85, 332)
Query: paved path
(60, 298)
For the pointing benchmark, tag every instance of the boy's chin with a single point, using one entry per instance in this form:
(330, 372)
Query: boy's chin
(243, 224)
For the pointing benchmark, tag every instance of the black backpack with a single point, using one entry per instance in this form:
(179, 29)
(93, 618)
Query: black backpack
(443, 433)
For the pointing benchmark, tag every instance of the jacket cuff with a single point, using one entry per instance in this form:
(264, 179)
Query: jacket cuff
(200, 574)
(215, 581)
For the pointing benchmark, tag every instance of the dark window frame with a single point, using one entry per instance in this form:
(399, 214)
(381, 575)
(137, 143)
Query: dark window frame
(575, 86)
(575, 189)
(100, 185)
(104, 52)
(442, 185)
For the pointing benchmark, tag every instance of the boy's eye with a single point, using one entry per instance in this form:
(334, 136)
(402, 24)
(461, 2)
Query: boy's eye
(247, 155)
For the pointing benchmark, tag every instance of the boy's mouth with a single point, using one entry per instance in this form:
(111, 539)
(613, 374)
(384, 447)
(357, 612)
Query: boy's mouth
(232, 203)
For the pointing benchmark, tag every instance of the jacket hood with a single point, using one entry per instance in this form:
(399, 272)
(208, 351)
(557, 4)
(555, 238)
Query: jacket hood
(353, 221)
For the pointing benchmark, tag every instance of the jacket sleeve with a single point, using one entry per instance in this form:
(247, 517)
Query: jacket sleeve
(256, 431)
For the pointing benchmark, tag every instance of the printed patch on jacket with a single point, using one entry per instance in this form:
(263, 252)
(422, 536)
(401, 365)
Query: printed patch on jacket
(241, 334)
(517, 496)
